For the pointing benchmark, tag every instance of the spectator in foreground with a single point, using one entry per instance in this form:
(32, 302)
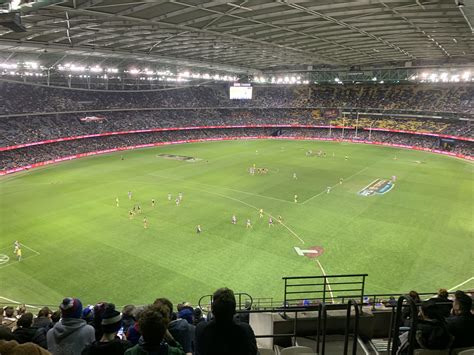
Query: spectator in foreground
(444, 303)
(128, 317)
(13, 348)
(109, 343)
(153, 323)
(223, 335)
(9, 320)
(24, 333)
(461, 324)
(406, 311)
(44, 319)
(179, 328)
(71, 334)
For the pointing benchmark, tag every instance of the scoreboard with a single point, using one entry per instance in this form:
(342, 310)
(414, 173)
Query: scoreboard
(240, 92)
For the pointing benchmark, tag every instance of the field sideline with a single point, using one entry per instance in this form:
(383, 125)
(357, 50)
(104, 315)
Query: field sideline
(77, 242)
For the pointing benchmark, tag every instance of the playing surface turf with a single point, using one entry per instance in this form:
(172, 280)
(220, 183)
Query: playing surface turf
(77, 242)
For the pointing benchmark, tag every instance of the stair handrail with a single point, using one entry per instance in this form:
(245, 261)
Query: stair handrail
(413, 324)
(351, 303)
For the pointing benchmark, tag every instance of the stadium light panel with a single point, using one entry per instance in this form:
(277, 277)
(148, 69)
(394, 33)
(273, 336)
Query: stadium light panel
(133, 71)
(96, 69)
(466, 75)
(32, 65)
(8, 66)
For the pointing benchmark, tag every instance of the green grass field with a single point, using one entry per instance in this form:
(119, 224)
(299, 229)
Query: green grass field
(78, 243)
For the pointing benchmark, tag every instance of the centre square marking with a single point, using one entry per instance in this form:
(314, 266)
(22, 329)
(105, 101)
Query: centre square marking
(311, 252)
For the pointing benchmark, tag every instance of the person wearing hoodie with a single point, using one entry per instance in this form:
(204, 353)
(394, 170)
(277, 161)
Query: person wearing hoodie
(71, 334)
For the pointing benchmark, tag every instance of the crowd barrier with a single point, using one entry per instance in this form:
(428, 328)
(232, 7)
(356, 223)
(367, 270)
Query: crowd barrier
(71, 157)
(56, 140)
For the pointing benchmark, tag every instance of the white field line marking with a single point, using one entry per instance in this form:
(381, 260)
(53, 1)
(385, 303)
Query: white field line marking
(461, 284)
(27, 247)
(16, 302)
(22, 259)
(16, 261)
(325, 190)
(223, 188)
(324, 274)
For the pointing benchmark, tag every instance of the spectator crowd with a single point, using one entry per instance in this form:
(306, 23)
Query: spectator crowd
(159, 329)
(155, 329)
(23, 98)
(210, 106)
(15, 158)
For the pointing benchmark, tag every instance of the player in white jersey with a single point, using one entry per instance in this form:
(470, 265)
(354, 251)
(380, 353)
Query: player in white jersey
(117, 202)
(248, 224)
(177, 201)
(169, 197)
(129, 195)
(152, 202)
(295, 177)
(328, 189)
(180, 196)
(16, 246)
(260, 212)
(234, 219)
(270, 222)
(198, 229)
(296, 198)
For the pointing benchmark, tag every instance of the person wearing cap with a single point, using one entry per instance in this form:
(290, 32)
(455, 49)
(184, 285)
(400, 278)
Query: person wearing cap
(71, 334)
(109, 343)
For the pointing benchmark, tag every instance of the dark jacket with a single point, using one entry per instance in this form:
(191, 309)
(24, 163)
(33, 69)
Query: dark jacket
(225, 338)
(462, 328)
(433, 334)
(42, 322)
(114, 347)
(24, 335)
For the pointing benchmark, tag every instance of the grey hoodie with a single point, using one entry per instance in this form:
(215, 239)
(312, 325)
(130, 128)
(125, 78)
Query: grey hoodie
(70, 336)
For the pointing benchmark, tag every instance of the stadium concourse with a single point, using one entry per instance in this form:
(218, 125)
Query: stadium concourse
(34, 129)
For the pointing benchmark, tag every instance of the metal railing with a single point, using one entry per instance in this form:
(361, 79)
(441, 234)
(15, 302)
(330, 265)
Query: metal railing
(350, 304)
(317, 291)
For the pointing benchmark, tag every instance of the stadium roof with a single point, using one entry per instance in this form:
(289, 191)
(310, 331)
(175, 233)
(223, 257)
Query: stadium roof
(244, 35)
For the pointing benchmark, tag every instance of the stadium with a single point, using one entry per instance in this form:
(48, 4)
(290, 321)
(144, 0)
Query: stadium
(305, 166)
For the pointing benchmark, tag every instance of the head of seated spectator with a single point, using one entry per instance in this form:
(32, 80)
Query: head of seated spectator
(43, 320)
(109, 343)
(179, 328)
(461, 324)
(5, 333)
(443, 301)
(9, 320)
(432, 332)
(24, 333)
(153, 324)
(12, 347)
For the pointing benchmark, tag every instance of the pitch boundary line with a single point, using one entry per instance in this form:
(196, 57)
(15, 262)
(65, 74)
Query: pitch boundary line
(22, 259)
(324, 274)
(461, 284)
(27, 247)
(324, 191)
(16, 302)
